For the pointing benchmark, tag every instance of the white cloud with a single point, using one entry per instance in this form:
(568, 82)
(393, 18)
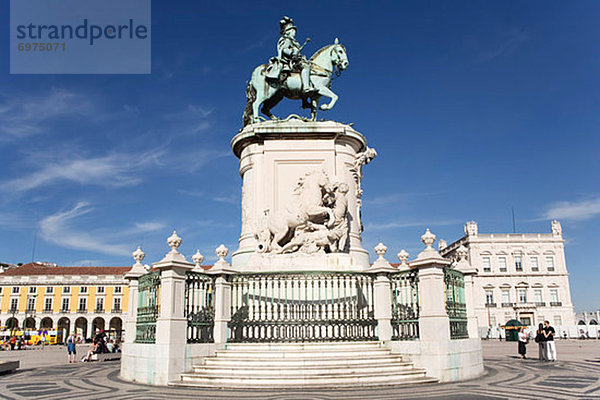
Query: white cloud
(192, 119)
(150, 226)
(25, 116)
(576, 210)
(61, 229)
(111, 170)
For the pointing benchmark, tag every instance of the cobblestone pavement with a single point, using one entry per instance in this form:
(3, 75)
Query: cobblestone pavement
(576, 375)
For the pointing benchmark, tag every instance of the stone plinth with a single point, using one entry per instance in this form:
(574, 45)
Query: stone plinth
(273, 157)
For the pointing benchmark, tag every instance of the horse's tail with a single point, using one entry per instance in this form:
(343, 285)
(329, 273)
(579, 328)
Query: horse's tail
(251, 96)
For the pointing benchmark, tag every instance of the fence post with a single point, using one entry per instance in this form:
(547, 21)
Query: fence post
(434, 324)
(222, 269)
(132, 276)
(469, 272)
(171, 324)
(382, 293)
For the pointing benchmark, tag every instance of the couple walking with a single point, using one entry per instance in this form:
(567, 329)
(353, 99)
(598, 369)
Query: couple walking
(545, 339)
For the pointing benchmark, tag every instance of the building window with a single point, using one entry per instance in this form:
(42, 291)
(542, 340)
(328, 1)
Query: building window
(118, 289)
(50, 289)
(15, 289)
(487, 265)
(492, 321)
(14, 304)
(502, 264)
(100, 304)
(537, 294)
(83, 289)
(506, 296)
(67, 289)
(100, 289)
(31, 304)
(557, 320)
(82, 304)
(32, 289)
(519, 263)
(48, 304)
(534, 264)
(117, 304)
(65, 304)
(554, 295)
(550, 263)
(522, 296)
(489, 296)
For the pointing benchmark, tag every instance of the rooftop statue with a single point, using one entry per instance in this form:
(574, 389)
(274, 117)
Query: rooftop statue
(291, 75)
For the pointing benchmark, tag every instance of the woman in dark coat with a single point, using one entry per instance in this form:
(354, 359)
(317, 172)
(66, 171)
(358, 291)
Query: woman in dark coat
(540, 339)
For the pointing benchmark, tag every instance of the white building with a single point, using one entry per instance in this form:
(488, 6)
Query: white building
(520, 276)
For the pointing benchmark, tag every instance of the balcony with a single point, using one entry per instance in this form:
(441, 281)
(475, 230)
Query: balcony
(82, 310)
(65, 310)
(555, 304)
(116, 311)
(99, 309)
(13, 311)
(540, 304)
(490, 305)
(508, 304)
(48, 309)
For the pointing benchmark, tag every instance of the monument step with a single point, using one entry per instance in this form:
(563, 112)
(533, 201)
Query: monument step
(279, 354)
(304, 345)
(306, 371)
(308, 362)
(372, 379)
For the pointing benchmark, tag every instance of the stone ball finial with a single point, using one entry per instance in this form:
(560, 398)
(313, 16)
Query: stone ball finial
(138, 255)
(174, 241)
(197, 258)
(462, 252)
(403, 256)
(428, 239)
(380, 250)
(222, 252)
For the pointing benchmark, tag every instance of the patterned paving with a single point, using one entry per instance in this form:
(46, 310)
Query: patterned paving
(575, 376)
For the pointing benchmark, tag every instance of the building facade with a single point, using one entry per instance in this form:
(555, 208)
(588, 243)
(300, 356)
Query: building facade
(520, 276)
(66, 299)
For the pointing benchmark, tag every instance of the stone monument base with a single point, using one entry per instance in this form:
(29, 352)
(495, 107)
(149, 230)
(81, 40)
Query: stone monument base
(297, 262)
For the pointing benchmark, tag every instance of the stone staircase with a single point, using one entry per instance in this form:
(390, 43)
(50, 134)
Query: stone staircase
(305, 365)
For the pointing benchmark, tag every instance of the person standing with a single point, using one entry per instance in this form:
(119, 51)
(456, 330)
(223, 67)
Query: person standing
(549, 333)
(523, 338)
(71, 349)
(540, 339)
(13, 342)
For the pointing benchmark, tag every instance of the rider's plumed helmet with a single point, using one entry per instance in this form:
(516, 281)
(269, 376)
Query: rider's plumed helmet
(285, 24)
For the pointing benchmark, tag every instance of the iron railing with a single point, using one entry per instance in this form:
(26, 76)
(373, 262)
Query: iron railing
(148, 307)
(199, 307)
(456, 307)
(297, 307)
(405, 305)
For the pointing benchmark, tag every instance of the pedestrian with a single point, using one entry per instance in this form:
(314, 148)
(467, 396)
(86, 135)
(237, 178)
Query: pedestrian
(523, 339)
(549, 333)
(540, 339)
(71, 348)
(13, 342)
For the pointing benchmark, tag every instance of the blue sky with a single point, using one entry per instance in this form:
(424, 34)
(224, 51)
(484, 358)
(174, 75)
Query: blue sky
(475, 107)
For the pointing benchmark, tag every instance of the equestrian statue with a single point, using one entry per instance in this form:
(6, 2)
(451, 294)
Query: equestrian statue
(291, 75)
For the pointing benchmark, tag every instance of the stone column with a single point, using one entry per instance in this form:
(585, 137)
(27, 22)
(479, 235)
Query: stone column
(434, 324)
(382, 296)
(469, 273)
(136, 271)
(171, 324)
(222, 270)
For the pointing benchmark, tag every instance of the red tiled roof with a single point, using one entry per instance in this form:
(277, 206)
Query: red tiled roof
(42, 269)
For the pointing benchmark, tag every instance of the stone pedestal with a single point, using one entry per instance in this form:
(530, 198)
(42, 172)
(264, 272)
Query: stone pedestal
(274, 156)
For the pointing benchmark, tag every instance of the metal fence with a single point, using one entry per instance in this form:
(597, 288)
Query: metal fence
(199, 307)
(405, 305)
(292, 307)
(148, 307)
(455, 303)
